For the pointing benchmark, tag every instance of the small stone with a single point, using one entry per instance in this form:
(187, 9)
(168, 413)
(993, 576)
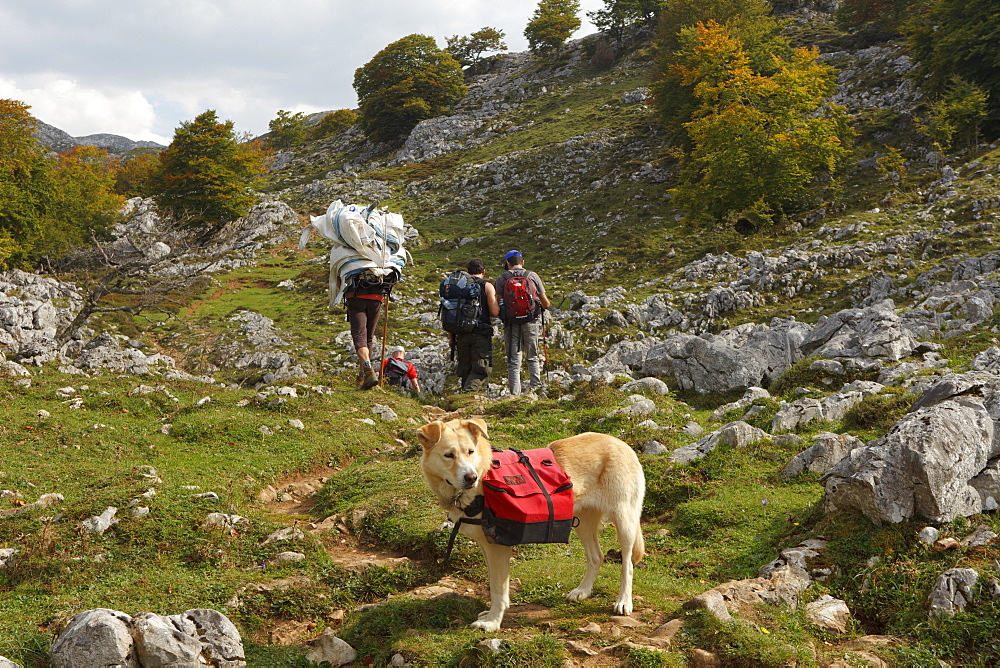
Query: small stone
(296, 424)
(928, 535)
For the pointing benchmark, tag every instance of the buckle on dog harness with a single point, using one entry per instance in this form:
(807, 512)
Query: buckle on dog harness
(474, 508)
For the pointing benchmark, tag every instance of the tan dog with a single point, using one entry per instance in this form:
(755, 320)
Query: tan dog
(608, 485)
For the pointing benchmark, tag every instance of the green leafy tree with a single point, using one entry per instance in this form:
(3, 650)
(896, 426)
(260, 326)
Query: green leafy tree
(84, 205)
(748, 21)
(206, 175)
(26, 185)
(958, 113)
(469, 50)
(884, 18)
(553, 22)
(959, 38)
(408, 81)
(618, 15)
(334, 122)
(758, 141)
(286, 130)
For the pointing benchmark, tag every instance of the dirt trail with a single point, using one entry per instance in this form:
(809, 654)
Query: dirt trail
(292, 501)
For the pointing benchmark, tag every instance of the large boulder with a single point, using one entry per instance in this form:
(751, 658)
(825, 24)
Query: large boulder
(872, 332)
(922, 467)
(98, 637)
(796, 414)
(746, 356)
(826, 451)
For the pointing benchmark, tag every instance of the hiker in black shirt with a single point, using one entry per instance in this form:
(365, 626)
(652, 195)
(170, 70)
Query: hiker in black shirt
(474, 350)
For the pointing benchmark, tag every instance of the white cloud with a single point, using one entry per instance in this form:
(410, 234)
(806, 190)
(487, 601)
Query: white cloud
(139, 69)
(78, 110)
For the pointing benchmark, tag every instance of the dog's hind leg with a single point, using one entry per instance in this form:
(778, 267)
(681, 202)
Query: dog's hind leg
(629, 530)
(588, 530)
(498, 565)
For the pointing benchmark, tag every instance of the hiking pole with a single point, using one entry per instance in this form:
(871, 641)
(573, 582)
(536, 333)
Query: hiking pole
(545, 351)
(385, 337)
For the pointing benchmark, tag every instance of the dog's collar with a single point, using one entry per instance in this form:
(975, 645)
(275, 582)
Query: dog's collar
(475, 508)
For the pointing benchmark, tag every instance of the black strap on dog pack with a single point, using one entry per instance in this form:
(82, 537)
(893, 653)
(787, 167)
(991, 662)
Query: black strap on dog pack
(523, 459)
(474, 508)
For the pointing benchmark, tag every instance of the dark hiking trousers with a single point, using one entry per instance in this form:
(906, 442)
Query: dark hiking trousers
(475, 361)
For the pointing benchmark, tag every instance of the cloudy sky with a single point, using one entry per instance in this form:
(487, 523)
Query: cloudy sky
(138, 68)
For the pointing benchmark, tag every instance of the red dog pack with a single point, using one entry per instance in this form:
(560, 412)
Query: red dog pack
(528, 498)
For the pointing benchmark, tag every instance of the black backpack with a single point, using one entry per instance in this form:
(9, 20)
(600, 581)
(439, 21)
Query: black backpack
(395, 371)
(461, 303)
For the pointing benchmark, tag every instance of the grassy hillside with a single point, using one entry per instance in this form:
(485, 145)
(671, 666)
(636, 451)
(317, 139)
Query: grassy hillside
(578, 179)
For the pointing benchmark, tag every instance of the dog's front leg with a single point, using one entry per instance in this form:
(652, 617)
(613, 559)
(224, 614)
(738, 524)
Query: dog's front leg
(498, 565)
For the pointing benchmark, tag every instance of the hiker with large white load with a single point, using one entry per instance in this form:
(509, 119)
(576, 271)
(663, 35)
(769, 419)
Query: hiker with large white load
(366, 262)
(468, 301)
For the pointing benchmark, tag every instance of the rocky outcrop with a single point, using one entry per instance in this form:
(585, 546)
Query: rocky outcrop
(921, 468)
(745, 356)
(797, 414)
(952, 592)
(104, 637)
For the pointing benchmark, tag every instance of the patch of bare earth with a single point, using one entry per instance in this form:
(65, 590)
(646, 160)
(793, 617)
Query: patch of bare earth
(594, 645)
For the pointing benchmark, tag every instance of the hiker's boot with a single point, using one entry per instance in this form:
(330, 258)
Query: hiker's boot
(369, 378)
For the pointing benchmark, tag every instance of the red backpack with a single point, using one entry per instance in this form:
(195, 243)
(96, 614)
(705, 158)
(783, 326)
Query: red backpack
(519, 301)
(528, 498)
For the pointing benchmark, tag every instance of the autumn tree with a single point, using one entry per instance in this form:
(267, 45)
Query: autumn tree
(748, 21)
(206, 175)
(758, 141)
(135, 174)
(286, 130)
(26, 186)
(84, 204)
(334, 122)
(469, 50)
(408, 81)
(553, 22)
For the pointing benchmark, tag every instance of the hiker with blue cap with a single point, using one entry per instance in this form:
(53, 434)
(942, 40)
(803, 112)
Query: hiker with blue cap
(522, 299)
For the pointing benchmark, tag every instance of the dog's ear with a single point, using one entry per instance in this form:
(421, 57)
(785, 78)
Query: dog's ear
(430, 434)
(476, 427)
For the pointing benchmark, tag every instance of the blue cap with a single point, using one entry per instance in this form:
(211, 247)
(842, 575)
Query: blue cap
(510, 254)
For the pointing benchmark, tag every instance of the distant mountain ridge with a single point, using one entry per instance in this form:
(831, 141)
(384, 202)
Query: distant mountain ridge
(59, 140)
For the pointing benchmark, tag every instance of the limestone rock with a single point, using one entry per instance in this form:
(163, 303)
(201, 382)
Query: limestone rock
(159, 643)
(328, 647)
(952, 592)
(734, 434)
(829, 614)
(99, 637)
(922, 467)
(827, 449)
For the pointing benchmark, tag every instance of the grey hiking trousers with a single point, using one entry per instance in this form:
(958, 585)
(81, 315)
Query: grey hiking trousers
(522, 340)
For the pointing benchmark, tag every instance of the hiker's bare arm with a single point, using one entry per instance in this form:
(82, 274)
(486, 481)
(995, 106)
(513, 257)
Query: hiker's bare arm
(544, 301)
(491, 300)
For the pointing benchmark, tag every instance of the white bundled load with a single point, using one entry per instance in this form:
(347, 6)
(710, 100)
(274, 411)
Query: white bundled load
(367, 244)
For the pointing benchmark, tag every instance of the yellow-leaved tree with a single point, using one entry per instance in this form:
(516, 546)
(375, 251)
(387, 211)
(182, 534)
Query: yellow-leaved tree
(761, 145)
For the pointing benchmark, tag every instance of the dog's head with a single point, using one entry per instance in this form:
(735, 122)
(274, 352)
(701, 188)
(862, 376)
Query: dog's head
(456, 455)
